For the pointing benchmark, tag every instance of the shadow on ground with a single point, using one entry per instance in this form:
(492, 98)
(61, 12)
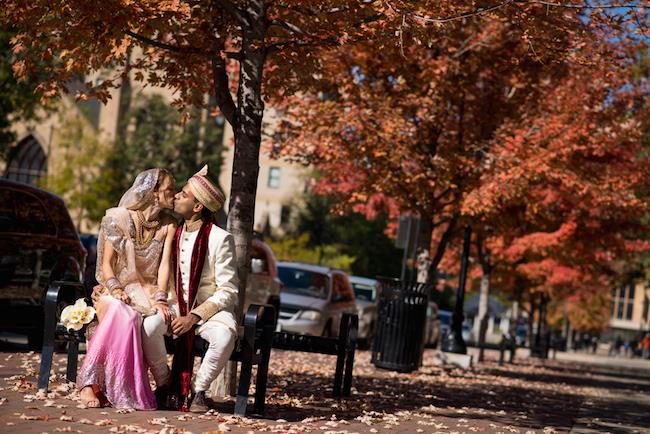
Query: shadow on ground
(305, 395)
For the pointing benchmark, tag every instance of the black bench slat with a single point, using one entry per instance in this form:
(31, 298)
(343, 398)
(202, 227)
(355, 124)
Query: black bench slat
(306, 343)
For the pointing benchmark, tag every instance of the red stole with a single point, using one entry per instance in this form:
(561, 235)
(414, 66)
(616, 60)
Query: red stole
(184, 351)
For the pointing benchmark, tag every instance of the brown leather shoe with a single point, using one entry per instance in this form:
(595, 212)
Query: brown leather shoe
(199, 403)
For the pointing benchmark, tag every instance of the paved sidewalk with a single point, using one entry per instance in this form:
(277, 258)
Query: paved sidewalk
(531, 396)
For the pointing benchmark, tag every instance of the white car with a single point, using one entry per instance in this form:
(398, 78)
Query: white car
(366, 292)
(313, 299)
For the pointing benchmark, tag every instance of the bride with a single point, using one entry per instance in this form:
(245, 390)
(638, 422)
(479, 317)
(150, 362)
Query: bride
(133, 267)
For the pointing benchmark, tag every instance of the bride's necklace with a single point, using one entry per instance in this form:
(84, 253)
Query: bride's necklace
(153, 226)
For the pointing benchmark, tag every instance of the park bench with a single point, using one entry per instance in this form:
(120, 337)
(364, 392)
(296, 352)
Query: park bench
(254, 344)
(343, 347)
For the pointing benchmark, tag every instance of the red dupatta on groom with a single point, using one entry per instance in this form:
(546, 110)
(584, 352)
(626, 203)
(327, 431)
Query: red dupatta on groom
(184, 352)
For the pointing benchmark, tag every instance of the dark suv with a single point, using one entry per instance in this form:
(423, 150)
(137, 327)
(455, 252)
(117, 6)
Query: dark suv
(38, 244)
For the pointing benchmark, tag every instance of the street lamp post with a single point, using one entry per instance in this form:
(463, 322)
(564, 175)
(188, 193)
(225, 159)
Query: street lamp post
(453, 342)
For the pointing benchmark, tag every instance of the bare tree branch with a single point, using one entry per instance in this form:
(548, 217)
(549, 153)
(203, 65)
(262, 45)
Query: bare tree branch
(222, 91)
(487, 9)
(155, 43)
(178, 49)
(277, 46)
(440, 20)
(584, 6)
(292, 28)
(442, 245)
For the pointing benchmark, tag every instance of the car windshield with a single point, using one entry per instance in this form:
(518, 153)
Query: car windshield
(304, 282)
(364, 292)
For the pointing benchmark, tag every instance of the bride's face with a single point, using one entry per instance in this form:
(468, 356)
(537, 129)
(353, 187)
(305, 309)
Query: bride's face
(166, 193)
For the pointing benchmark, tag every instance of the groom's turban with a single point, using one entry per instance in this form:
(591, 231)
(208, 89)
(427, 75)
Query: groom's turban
(205, 191)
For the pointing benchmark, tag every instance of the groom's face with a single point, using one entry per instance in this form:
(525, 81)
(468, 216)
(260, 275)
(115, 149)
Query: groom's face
(185, 203)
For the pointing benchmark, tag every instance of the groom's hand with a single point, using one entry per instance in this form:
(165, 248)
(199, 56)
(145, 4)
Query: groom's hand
(183, 324)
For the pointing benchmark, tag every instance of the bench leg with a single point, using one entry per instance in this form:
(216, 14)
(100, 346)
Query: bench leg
(340, 358)
(263, 370)
(49, 330)
(73, 358)
(350, 350)
(244, 379)
(46, 362)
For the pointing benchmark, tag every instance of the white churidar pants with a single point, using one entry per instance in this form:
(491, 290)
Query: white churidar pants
(220, 338)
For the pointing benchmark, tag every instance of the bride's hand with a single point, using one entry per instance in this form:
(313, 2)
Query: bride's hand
(121, 295)
(165, 312)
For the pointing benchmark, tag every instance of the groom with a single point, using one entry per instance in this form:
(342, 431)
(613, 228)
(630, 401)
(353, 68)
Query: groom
(205, 277)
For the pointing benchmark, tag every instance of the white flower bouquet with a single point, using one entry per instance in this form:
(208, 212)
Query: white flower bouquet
(75, 316)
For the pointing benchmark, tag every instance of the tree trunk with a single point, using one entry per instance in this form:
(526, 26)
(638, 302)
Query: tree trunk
(245, 167)
(481, 320)
(514, 317)
(531, 321)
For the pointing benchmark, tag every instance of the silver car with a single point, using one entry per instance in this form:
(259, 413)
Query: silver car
(313, 299)
(366, 292)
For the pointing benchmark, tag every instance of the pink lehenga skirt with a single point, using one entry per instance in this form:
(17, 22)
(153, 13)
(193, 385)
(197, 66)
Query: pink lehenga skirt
(114, 360)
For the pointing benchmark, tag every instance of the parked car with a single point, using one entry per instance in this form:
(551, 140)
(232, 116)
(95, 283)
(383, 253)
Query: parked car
(313, 298)
(38, 244)
(366, 292)
(263, 285)
(89, 241)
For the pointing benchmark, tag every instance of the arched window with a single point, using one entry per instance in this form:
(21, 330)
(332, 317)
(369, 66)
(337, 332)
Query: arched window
(27, 161)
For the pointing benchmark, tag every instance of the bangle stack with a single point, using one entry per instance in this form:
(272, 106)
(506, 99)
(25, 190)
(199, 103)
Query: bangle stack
(113, 285)
(160, 297)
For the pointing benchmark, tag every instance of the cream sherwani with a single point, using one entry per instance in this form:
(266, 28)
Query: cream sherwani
(215, 304)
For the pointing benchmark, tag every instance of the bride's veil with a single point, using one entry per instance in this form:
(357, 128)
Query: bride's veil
(141, 192)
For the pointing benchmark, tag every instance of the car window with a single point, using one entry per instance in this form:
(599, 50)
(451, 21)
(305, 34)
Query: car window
(62, 219)
(304, 282)
(365, 292)
(22, 212)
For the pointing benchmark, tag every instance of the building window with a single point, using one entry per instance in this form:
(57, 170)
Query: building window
(27, 161)
(274, 177)
(623, 303)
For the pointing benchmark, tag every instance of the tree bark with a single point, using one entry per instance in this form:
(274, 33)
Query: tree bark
(480, 323)
(247, 130)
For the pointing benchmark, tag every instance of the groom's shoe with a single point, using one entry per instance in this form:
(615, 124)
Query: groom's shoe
(199, 403)
(162, 397)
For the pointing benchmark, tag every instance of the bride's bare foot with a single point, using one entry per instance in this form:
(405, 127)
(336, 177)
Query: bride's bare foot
(88, 397)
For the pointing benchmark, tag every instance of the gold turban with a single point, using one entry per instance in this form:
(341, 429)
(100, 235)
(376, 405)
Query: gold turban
(205, 191)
